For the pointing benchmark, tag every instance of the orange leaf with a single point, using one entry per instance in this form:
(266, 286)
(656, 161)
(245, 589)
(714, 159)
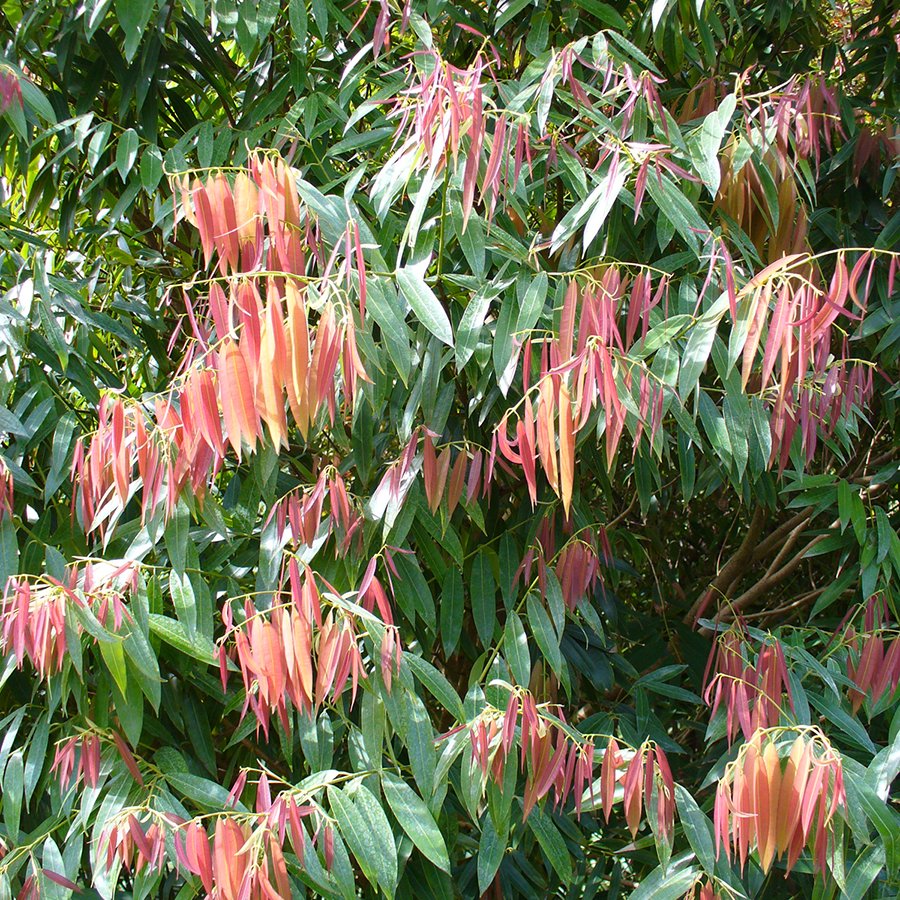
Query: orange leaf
(197, 850)
(224, 222)
(287, 188)
(246, 203)
(608, 776)
(760, 303)
(768, 792)
(546, 432)
(525, 430)
(270, 378)
(566, 448)
(325, 358)
(279, 869)
(632, 786)
(204, 214)
(208, 409)
(297, 345)
(236, 397)
(318, 365)
(303, 656)
(789, 803)
(229, 864)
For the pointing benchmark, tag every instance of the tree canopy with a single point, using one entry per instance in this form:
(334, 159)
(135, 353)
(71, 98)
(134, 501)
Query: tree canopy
(449, 449)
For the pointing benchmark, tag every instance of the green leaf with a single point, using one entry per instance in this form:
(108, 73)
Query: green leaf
(705, 151)
(424, 303)
(415, 819)
(657, 11)
(419, 739)
(114, 656)
(544, 633)
(52, 861)
(134, 15)
(437, 684)
(471, 238)
(664, 884)
(503, 349)
(845, 500)
(208, 794)
(864, 871)
(383, 304)
(98, 142)
(851, 728)
(174, 633)
(679, 211)
(34, 97)
(661, 334)
(12, 789)
(552, 843)
(553, 596)
(470, 326)
(139, 651)
(491, 848)
(61, 456)
(367, 832)
(9, 550)
(452, 608)
(697, 828)
(601, 201)
(696, 352)
(884, 768)
(183, 597)
(483, 590)
(885, 534)
(37, 749)
(130, 707)
(126, 153)
(151, 166)
(885, 819)
(516, 649)
(11, 423)
(738, 425)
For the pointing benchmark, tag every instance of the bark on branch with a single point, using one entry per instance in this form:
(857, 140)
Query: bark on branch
(732, 569)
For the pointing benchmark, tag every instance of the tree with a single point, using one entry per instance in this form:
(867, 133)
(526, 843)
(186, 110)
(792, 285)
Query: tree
(450, 449)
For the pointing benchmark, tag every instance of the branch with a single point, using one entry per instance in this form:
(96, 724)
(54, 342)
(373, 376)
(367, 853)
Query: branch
(793, 606)
(774, 538)
(732, 569)
(767, 582)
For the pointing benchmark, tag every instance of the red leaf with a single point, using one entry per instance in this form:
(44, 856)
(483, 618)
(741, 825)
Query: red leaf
(62, 881)
(457, 481)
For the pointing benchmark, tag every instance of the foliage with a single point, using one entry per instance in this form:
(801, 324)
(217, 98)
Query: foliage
(449, 449)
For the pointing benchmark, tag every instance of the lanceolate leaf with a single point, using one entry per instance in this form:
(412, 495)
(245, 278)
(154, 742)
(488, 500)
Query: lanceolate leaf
(696, 353)
(552, 844)
(484, 597)
(697, 828)
(425, 303)
(491, 848)
(415, 819)
(367, 832)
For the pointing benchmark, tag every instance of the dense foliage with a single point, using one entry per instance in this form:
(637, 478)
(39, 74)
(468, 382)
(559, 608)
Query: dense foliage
(449, 449)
